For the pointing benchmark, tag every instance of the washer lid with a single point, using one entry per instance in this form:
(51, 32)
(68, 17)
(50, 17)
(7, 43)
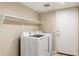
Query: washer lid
(37, 36)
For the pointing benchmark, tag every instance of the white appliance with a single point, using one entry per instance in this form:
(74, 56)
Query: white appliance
(50, 37)
(50, 40)
(33, 44)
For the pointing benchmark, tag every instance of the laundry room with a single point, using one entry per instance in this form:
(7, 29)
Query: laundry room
(39, 28)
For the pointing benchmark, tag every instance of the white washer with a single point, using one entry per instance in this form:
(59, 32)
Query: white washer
(50, 37)
(50, 40)
(34, 45)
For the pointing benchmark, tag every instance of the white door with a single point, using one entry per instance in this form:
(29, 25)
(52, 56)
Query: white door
(67, 31)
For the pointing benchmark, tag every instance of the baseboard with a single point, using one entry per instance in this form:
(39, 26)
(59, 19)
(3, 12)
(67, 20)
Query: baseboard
(65, 54)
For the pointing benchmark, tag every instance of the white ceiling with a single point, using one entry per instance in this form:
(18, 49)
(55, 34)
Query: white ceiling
(39, 6)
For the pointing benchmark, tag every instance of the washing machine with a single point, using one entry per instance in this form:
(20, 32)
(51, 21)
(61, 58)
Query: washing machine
(50, 40)
(33, 44)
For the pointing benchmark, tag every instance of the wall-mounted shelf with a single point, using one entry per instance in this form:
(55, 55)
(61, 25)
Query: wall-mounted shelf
(17, 19)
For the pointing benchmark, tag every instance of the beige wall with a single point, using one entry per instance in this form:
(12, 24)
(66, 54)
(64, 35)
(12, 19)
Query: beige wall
(48, 20)
(10, 31)
(16, 9)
